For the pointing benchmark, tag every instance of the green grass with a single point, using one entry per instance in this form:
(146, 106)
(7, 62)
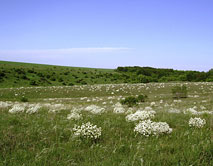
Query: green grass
(15, 74)
(45, 138)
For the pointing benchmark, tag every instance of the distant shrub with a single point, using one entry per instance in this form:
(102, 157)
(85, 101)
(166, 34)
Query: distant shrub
(33, 82)
(70, 84)
(53, 79)
(130, 101)
(24, 99)
(60, 79)
(24, 77)
(48, 76)
(40, 74)
(179, 91)
(142, 98)
(2, 74)
(31, 71)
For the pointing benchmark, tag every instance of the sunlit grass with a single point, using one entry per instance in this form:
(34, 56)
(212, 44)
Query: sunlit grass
(46, 138)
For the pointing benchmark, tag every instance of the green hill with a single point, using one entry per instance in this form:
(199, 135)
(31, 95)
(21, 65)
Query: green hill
(15, 74)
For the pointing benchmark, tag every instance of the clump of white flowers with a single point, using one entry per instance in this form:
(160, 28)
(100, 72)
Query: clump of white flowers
(5, 104)
(118, 109)
(33, 109)
(152, 104)
(148, 128)
(94, 109)
(87, 130)
(74, 114)
(191, 111)
(197, 122)
(54, 108)
(140, 115)
(17, 108)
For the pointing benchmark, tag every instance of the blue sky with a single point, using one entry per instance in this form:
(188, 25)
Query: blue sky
(108, 33)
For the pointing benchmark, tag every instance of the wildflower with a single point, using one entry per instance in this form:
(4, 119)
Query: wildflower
(148, 128)
(74, 116)
(87, 130)
(33, 109)
(197, 122)
(118, 108)
(17, 108)
(94, 109)
(5, 104)
(140, 115)
(152, 104)
(191, 111)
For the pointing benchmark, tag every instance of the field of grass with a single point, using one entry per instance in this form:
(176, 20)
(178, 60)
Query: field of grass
(15, 74)
(46, 137)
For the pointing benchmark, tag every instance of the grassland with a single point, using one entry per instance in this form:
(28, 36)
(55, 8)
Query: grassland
(46, 137)
(14, 74)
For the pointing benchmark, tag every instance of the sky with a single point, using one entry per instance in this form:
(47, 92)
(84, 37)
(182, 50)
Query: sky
(174, 34)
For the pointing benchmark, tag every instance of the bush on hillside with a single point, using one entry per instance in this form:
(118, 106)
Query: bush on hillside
(142, 98)
(129, 101)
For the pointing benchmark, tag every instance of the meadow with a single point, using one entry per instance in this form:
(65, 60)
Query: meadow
(16, 74)
(44, 129)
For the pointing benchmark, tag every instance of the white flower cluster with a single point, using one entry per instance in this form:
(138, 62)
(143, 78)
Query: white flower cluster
(30, 108)
(118, 109)
(140, 115)
(194, 112)
(94, 109)
(17, 108)
(74, 116)
(87, 130)
(197, 122)
(5, 104)
(152, 104)
(33, 109)
(53, 108)
(190, 111)
(148, 128)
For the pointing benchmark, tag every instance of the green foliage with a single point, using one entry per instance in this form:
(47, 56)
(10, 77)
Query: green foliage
(24, 99)
(129, 101)
(149, 74)
(179, 91)
(14, 74)
(142, 98)
(46, 138)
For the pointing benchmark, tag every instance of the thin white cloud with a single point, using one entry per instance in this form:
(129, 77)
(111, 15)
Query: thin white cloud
(69, 51)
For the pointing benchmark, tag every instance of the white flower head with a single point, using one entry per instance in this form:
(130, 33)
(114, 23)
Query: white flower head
(197, 122)
(87, 130)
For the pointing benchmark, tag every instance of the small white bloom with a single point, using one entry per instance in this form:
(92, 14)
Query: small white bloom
(197, 122)
(148, 128)
(87, 130)
(17, 108)
(140, 115)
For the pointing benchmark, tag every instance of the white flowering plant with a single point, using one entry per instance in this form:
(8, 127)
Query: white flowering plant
(88, 131)
(140, 115)
(17, 108)
(197, 122)
(148, 128)
(74, 116)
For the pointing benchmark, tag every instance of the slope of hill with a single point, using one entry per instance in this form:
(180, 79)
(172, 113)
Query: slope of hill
(15, 74)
